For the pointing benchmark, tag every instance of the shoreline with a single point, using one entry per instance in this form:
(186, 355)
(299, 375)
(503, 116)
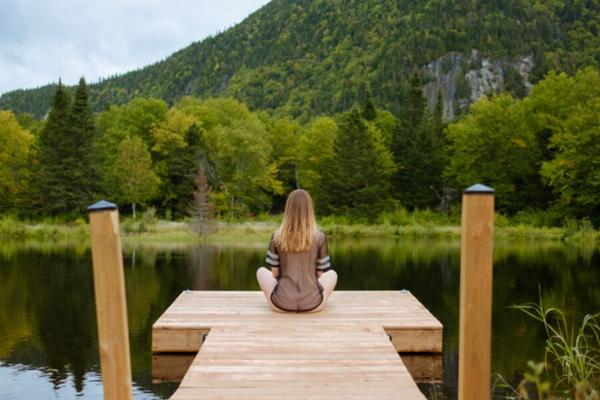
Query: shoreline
(163, 232)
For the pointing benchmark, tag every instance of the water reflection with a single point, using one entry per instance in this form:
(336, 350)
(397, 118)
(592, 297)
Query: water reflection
(47, 319)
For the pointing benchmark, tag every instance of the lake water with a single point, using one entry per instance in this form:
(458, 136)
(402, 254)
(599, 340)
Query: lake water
(48, 338)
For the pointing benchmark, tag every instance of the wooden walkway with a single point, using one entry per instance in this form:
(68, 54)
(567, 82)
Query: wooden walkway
(344, 351)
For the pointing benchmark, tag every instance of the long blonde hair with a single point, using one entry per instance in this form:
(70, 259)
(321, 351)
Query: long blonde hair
(298, 229)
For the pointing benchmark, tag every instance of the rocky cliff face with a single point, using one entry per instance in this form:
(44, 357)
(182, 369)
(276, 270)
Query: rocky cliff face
(463, 79)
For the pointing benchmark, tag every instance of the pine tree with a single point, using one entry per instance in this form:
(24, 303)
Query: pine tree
(353, 180)
(80, 158)
(429, 161)
(368, 109)
(182, 167)
(412, 145)
(53, 177)
(414, 107)
(439, 156)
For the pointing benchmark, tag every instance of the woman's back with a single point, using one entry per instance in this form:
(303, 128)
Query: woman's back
(298, 276)
(298, 288)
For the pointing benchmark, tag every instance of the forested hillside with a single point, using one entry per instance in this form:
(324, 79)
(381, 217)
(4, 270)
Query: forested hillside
(311, 57)
(217, 157)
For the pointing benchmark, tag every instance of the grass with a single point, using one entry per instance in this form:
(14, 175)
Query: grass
(572, 358)
(400, 223)
(574, 352)
(13, 228)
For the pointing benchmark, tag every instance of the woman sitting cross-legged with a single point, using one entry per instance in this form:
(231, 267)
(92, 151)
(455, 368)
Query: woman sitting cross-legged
(300, 278)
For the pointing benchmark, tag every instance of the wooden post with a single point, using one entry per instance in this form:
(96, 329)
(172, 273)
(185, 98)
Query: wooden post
(477, 234)
(111, 305)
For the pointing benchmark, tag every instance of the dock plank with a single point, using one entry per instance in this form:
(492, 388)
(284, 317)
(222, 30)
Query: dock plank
(410, 325)
(245, 350)
(263, 363)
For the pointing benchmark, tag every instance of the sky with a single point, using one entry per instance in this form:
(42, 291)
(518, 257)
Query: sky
(42, 40)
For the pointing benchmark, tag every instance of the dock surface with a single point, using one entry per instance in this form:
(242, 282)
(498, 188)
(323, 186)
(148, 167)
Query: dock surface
(349, 350)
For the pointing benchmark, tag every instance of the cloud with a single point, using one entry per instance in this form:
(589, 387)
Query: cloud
(41, 41)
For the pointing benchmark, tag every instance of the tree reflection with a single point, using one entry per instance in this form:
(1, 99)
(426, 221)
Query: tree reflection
(48, 321)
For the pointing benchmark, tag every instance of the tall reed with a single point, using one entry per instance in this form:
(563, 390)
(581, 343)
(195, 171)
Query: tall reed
(572, 351)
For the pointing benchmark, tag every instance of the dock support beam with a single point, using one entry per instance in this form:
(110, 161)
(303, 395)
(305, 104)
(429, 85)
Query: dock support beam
(111, 305)
(477, 235)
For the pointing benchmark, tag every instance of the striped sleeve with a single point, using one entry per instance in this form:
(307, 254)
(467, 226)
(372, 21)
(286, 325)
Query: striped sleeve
(323, 260)
(272, 259)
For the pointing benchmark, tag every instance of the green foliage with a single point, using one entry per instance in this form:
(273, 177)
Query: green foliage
(68, 171)
(427, 217)
(305, 58)
(54, 145)
(572, 114)
(283, 136)
(580, 231)
(148, 221)
(367, 111)
(539, 153)
(493, 144)
(388, 125)
(315, 150)
(79, 158)
(356, 179)
(574, 352)
(549, 140)
(532, 386)
(514, 83)
(239, 154)
(30, 123)
(176, 152)
(136, 118)
(16, 156)
(419, 150)
(14, 228)
(133, 180)
(537, 218)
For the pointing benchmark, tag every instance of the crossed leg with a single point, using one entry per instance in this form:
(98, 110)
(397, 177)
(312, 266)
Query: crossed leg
(267, 283)
(328, 281)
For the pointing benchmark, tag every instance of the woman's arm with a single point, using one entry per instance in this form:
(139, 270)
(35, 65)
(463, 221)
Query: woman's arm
(273, 259)
(323, 261)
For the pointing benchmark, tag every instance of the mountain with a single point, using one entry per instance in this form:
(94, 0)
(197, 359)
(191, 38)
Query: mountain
(303, 58)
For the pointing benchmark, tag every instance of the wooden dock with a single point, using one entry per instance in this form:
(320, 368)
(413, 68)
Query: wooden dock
(244, 350)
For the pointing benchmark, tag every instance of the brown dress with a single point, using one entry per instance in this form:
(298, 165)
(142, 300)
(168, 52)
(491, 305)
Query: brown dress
(297, 286)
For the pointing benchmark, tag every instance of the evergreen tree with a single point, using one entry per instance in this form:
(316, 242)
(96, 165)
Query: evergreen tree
(182, 168)
(354, 180)
(438, 115)
(80, 158)
(404, 142)
(53, 177)
(368, 109)
(429, 162)
(414, 107)
(418, 149)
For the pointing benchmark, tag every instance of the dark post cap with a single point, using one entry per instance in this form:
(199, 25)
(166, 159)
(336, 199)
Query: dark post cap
(478, 188)
(102, 205)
